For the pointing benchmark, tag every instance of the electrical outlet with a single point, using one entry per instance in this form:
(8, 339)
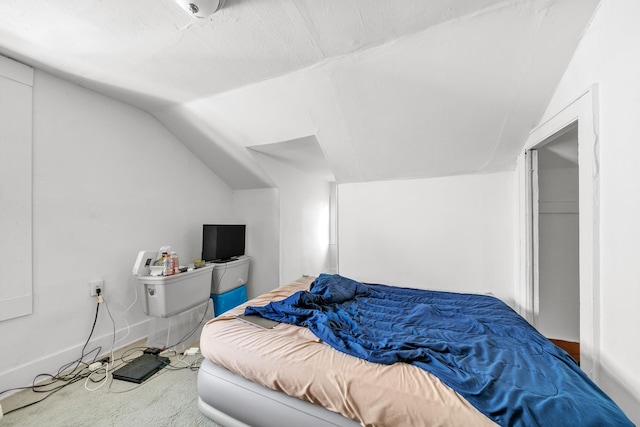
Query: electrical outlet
(94, 286)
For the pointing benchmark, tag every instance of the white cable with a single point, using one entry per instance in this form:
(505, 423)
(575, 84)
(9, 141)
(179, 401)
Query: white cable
(106, 376)
(106, 365)
(135, 289)
(184, 361)
(113, 322)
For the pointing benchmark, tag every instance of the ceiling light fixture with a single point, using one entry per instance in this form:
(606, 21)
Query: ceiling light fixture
(200, 8)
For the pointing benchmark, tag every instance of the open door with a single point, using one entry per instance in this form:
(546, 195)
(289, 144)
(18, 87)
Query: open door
(553, 171)
(581, 113)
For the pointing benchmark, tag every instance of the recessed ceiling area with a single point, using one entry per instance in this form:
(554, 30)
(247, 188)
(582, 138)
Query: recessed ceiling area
(304, 154)
(388, 90)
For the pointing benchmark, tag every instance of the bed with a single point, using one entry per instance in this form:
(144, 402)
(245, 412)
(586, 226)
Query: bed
(319, 368)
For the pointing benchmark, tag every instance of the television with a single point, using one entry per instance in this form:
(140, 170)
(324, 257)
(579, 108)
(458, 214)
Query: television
(222, 242)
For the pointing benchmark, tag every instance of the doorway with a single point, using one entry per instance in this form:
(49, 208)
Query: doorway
(582, 113)
(555, 178)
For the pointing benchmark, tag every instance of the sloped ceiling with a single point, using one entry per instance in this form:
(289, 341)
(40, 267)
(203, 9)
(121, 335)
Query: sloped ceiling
(386, 89)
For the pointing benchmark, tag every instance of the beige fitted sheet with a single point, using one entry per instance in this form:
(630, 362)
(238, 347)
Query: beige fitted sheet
(291, 359)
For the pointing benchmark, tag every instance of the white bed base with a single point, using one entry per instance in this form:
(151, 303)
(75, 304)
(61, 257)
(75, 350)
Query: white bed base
(233, 401)
(219, 417)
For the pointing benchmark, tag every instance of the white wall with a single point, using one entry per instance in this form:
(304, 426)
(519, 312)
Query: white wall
(304, 208)
(453, 233)
(260, 210)
(108, 181)
(607, 56)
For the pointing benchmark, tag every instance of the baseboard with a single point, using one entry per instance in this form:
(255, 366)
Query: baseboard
(23, 375)
(626, 398)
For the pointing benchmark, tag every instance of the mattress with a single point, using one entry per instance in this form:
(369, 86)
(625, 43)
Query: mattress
(297, 366)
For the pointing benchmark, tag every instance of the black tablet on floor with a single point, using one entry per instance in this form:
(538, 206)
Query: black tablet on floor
(141, 368)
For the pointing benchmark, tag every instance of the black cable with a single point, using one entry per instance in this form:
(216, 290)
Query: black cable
(72, 377)
(193, 366)
(129, 352)
(65, 368)
(78, 361)
(204, 315)
(68, 379)
(93, 327)
(48, 395)
(216, 287)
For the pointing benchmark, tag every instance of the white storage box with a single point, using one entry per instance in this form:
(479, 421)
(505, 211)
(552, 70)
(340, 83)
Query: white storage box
(229, 275)
(164, 296)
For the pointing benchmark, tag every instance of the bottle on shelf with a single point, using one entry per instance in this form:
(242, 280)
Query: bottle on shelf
(167, 264)
(175, 263)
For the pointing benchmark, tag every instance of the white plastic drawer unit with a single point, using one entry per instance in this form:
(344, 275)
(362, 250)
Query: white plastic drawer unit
(164, 296)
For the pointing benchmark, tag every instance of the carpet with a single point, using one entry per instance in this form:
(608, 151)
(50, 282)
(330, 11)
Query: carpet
(168, 398)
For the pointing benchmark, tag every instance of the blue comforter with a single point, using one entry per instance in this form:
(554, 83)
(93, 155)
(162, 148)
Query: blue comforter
(475, 344)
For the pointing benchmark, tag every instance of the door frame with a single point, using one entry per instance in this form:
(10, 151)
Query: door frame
(584, 111)
(533, 234)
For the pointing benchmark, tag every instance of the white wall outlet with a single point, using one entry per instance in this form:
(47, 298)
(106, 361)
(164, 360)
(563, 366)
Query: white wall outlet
(94, 286)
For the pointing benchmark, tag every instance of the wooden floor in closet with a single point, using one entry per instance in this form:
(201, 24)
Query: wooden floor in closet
(573, 348)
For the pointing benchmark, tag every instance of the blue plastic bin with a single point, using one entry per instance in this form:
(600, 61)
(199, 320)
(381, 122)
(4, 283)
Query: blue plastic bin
(228, 300)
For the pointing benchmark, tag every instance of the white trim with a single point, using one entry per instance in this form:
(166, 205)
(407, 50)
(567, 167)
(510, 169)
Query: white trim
(16, 307)
(584, 111)
(534, 245)
(16, 188)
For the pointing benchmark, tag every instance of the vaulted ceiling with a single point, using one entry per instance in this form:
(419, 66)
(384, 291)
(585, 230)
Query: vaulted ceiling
(373, 89)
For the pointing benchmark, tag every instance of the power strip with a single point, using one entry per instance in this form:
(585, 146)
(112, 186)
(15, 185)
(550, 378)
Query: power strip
(95, 366)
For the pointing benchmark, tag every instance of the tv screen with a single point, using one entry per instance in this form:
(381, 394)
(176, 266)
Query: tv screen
(222, 242)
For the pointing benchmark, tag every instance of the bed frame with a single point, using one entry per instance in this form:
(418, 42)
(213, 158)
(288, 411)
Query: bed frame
(233, 401)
